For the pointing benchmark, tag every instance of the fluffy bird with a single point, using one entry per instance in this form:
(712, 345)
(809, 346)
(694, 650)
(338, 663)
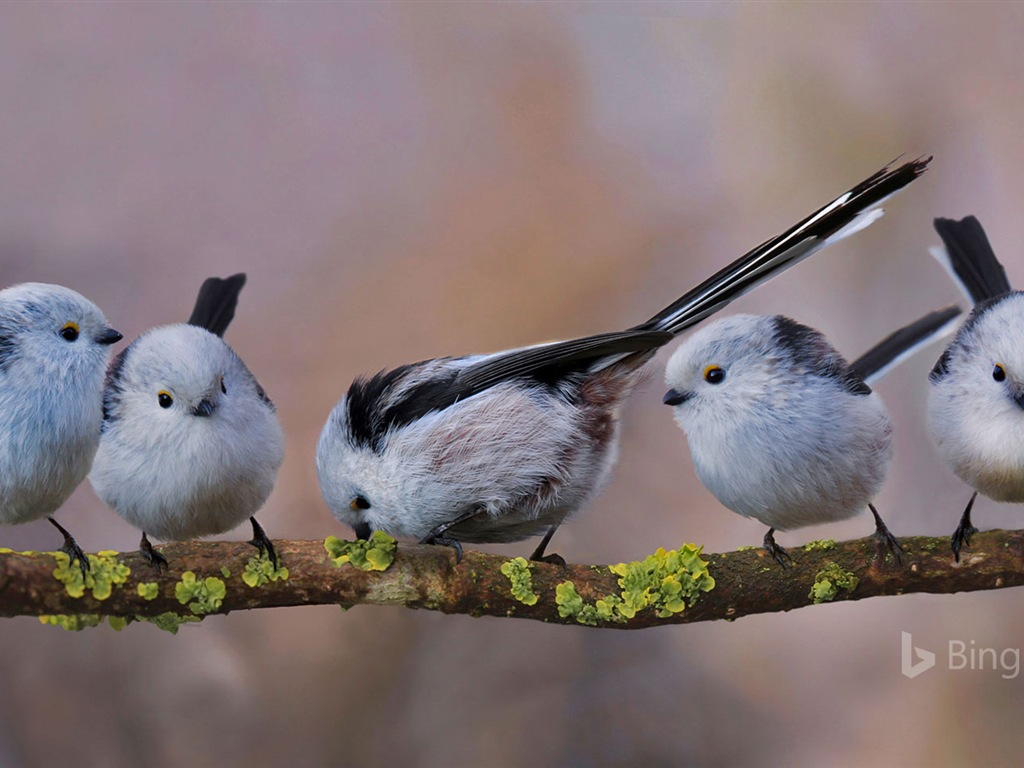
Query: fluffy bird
(976, 392)
(54, 348)
(501, 447)
(191, 444)
(781, 428)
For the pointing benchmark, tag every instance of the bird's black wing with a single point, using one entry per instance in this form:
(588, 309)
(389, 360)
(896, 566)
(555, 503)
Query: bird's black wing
(385, 401)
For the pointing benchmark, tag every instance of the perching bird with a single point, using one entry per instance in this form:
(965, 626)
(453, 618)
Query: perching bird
(781, 428)
(976, 397)
(191, 444)
(504, 446)
(54, 348)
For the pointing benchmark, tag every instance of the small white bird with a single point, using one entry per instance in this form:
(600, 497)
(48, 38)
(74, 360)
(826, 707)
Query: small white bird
(501, 447)
(976, 397)
(781, 428)
(191, 443)
(54, 348)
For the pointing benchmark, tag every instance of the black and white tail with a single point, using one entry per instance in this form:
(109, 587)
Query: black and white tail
(216, 303)
(850, 212)
(898, 346)
(969, 259)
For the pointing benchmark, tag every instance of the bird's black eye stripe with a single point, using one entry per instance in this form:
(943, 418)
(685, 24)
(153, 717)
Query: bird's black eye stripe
(999, 373)
(223, 388)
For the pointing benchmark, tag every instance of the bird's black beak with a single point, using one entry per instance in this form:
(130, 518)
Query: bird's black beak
(108, 336)
(675, 397)
(362, 531)
(203, 408)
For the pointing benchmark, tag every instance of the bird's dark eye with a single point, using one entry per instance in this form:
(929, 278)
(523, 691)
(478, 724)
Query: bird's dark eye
(165, 399)
(69, 332)
(714, 375)
(359, 503)
(223, 388)
(999, 373)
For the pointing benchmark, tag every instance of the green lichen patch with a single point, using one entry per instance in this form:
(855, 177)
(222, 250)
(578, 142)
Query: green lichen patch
(201, 595)
(104, 572)
(377, 554)
(830, 581)
(821, 545)
(148, 590)
(667, 582)
(259, 570)
(169, 621)
(746, 548)
(572, 606)
(518, 572)
(225, 572)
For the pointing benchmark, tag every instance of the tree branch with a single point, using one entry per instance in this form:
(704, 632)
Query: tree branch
(746, 582)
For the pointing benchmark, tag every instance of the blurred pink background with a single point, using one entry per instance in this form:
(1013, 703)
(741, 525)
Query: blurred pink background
(402, 181)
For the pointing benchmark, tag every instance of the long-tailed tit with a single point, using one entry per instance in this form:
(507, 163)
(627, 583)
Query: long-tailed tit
(191, 443)
(54, 348)
(976, 397)
(781, 428)
(504, 446)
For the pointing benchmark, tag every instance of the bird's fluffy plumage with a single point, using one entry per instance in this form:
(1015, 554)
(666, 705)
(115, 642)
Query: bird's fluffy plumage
(50, 390)
(178, 472)
(789, 435)
(523, 456)
(976, 421)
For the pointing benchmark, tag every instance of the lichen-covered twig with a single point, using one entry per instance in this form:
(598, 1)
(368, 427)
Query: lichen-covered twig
(669, 587)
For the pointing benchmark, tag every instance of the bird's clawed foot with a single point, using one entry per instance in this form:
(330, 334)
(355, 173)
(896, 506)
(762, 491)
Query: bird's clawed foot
(438, 538)
(154, 558)
(538, 555)
(439, 535)
(887, 543)
(778, 553)
(263, 543)
(962, 535)
(71, 548)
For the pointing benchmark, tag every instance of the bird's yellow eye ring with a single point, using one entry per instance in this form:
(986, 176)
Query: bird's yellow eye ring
(714, 374)
(70, 331)
(999, 373)
(164, 398)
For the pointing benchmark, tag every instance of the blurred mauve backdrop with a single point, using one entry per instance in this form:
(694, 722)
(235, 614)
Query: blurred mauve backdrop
(406, 180)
